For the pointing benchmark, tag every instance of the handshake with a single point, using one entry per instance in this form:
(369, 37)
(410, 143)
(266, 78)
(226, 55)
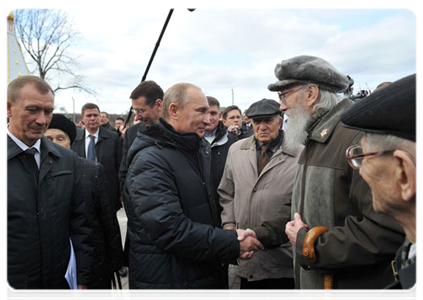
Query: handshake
(248, 243)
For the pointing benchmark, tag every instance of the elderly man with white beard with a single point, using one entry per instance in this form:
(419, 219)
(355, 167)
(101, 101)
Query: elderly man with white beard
(352, 244)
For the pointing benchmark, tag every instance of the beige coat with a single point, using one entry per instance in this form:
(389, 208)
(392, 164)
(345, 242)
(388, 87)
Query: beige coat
(248, 200)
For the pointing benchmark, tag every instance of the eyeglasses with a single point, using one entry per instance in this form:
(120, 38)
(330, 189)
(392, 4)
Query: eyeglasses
(355, 155)
(138, 111)
(282, 96)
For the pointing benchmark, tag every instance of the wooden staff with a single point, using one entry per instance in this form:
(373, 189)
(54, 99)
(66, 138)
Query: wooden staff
(310, 253)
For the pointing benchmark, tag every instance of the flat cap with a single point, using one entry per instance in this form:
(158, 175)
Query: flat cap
(389, 110)
(263, 108)
(61, 122)
(309, 69)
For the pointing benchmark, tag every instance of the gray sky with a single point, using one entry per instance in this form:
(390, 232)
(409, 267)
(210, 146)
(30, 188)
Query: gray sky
(231, 53)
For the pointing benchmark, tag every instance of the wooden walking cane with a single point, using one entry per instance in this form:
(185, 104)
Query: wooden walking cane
(310, 253)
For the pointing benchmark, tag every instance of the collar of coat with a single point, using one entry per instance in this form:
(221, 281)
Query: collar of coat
(323, 130)
(249, 142)
(47, 148)
(102, 134)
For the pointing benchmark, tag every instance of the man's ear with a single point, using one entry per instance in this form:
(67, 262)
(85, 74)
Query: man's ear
(173, 111)
(224, 121)
(312, 95)
(9, 110)
(405, 175)
(159, 103)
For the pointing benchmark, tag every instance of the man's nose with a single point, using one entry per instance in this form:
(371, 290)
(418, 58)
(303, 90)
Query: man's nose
(282, 107)
(41, 118)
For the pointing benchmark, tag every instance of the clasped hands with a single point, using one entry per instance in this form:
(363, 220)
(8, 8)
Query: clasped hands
(248, 242)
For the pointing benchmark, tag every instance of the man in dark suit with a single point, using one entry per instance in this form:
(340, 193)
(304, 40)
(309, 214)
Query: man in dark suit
(45, 207)
(101, 145)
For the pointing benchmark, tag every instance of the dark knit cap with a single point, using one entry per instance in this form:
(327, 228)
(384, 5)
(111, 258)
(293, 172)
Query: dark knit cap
(263, 108)
(61, 122)
(389, 110)
(308, 69)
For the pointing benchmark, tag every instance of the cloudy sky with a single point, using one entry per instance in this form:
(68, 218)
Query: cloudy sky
(231, 53)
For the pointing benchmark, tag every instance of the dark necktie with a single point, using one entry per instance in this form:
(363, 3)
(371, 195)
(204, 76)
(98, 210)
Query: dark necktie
(263, 159)
(91, 148)
(32, 164)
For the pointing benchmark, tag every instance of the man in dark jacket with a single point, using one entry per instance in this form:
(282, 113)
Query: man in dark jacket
(175, 241)
(107, 241)
(105, 122)
(106, 149)
(45, 207)
(216, 149)
(386, 159)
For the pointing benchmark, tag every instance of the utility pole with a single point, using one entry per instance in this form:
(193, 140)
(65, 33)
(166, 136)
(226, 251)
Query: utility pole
(73, 109)
(232, 96)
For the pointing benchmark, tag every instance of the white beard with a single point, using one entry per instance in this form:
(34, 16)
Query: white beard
(295, 131)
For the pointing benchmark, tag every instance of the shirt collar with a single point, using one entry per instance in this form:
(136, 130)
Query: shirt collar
(211, 134)
(87, 134)
(22, 145)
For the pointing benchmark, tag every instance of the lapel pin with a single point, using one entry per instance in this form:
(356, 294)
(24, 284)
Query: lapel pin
(324, 132)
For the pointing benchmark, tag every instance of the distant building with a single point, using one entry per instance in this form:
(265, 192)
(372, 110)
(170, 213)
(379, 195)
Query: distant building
(16, 65)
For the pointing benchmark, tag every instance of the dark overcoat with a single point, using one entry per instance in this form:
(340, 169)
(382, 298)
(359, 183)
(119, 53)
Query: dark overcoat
(41, 220)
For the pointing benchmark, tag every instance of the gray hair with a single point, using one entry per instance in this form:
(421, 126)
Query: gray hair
(378, 141)
(177, 94)
(327, 100)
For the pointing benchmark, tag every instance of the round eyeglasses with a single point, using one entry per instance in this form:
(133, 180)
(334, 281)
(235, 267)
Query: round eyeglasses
(282, 96)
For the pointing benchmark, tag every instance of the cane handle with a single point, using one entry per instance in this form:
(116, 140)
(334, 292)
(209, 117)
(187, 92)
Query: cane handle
(310, 238)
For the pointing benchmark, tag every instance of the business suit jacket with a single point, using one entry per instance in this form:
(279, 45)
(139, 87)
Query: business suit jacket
(109, 153)
(41, 220)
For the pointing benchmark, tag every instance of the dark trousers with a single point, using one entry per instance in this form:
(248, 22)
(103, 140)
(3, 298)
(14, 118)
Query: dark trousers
(268, 284)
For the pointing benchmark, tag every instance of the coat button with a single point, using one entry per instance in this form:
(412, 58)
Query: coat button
(254, 190)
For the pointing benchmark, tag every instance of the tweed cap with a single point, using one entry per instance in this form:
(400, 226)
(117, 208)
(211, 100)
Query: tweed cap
(263, 108)
(389, 110)
(309, 69)
(61, 122)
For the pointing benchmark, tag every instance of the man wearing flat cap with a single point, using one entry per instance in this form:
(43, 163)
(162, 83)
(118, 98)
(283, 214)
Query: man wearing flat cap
(331, 208)
(106, 238)
(386, 158)
(256, 185)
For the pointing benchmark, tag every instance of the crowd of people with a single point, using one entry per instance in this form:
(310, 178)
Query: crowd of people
(314, 191)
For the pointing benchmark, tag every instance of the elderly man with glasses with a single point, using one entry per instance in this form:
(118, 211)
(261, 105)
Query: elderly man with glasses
(386, 160)
(334, 230)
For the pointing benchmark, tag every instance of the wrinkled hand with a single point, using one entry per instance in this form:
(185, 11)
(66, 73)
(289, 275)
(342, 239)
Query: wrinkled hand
(292, 228)
(81, 290)
(248, 243)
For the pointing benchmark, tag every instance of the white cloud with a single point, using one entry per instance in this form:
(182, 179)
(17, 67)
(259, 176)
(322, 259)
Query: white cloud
(222, 49)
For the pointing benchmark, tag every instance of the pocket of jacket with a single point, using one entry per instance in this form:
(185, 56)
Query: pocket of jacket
(61, 172)
(16, 283)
